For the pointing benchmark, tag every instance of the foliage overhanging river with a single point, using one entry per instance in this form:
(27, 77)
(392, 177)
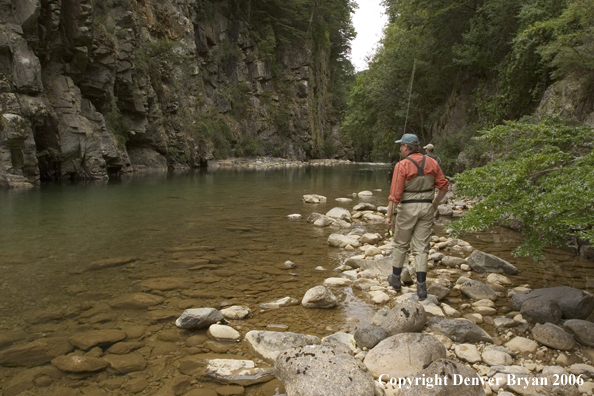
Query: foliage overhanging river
(49, 236)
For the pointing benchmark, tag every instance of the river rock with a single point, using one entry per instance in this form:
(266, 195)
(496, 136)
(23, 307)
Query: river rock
(314, 198)
(553, 336)
(459, 330)
(364, 284)
(337, 282)
(371, 239)
(482, 262)
(439, 291)
(468, 352)
(238, 372)
(499, 280)
(364, 206)
(280, 303)
(223, 333)
(369, 336)
(323, 221)
(444, 368)
(269, 344)
(164, 284)
(319, 297)
(128, 363)
(342, 241)
(405, 317)
(100, 338)
(582, 330)
(319, 370)
(574, 303)
(494, 357)
(198, 318)
(477, 290)
(538, 310)
(381, 267)
(339, 214)
(79, 364)
(236, 312)
(521, 345)
(452, 261)
(136, 301)
(35, 353)
(404, 354)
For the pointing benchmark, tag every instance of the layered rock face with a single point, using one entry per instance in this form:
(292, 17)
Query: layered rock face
(92, 88)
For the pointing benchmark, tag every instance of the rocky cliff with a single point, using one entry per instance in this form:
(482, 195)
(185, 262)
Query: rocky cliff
(89, 88)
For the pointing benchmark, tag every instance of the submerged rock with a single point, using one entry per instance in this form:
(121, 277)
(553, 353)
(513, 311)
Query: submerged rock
(79, 364)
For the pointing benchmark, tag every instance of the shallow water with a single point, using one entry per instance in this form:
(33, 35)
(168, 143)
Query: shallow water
(224, 230)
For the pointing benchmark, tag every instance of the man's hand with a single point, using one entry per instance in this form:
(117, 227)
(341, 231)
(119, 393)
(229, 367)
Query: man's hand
(388, 222)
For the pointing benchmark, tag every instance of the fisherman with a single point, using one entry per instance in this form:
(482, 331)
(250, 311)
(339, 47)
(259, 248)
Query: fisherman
(412, 191)
(429, 150)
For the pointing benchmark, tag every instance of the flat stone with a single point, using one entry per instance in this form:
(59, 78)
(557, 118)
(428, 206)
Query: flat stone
(237, 372)
(110, 262)
(35, 353)
(164, 284)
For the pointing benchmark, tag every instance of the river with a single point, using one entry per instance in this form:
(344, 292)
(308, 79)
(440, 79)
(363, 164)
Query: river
(234, 220)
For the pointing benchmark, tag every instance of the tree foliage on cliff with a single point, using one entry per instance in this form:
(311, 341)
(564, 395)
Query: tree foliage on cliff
(543, 177)
(498, 56)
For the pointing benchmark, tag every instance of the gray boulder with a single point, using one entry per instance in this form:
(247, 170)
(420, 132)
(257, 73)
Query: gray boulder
(574, 303)
(477, 290)
(582, 330)
(459, 330)
(482, 262)
(369, 336)
(404, 354)
(406, 317)
(452, 261)
(198, 318)
(269, 344)
(541, 311)
(456, 373)
(339, 214)
(319, 297)
(320, 370)
(553, 336)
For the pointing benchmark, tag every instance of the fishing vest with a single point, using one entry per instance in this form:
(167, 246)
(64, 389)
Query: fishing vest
(421, 189)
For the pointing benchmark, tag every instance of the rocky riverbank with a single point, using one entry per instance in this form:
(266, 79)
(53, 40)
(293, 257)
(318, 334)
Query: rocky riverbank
(480, 327)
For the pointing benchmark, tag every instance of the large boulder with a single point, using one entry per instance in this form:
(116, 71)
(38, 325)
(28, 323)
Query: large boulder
(574, 303)
(404, 354)
(482, 262)
(320, 370)
(447, 379)
(339, 214)
(406, 317)
(582, 330)
(268, 345)
(459, 330)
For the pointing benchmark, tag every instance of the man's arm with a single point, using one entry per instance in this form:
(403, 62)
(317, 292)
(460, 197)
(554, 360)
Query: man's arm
(440, 195)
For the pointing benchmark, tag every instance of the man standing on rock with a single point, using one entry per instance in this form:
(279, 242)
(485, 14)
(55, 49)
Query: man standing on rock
(414, 182)
(429, 150)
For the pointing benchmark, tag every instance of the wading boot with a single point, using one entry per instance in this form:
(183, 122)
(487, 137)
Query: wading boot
(394, 278)
(422, 285)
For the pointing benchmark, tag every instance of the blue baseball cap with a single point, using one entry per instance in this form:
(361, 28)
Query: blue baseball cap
(408, 138)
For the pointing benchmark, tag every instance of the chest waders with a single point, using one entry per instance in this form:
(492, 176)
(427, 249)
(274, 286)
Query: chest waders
(413, 224)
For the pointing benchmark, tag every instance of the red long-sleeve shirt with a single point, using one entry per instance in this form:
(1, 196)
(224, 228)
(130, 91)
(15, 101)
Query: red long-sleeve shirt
(405, 170)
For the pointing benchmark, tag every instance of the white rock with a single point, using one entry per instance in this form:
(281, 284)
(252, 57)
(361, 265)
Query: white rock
(223, 333)
(449, 311)
(294, 216)
(521, 344)
(379, 297)
(365, 194)
(236, 312)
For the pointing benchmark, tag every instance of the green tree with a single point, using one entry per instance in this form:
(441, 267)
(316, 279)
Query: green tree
(543, 177)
